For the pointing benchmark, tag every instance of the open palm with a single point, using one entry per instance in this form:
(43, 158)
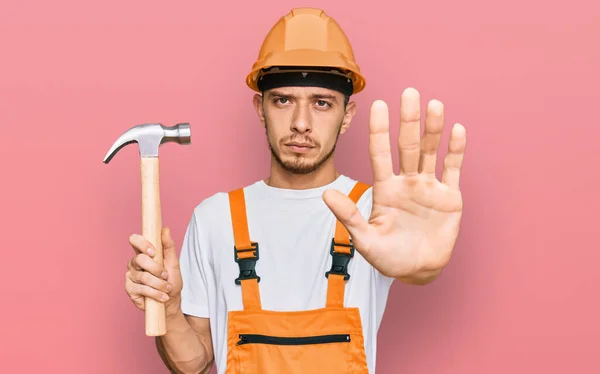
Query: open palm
(415, 217)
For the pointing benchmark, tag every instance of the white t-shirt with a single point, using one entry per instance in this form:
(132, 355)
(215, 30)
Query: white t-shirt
(294, 229)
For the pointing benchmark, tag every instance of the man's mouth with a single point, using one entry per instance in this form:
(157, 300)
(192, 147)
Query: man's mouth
(299, 147)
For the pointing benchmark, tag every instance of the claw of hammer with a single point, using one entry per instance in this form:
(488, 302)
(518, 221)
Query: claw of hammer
(149, 137)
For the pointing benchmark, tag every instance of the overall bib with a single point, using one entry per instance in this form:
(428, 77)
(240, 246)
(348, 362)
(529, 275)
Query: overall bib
(325, 340)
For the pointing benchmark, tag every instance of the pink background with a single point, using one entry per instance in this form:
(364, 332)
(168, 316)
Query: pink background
(520, 294)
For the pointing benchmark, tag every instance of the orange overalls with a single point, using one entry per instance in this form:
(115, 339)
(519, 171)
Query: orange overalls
(326, 340)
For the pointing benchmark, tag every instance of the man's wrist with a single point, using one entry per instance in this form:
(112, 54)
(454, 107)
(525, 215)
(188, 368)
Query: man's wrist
(173, 308)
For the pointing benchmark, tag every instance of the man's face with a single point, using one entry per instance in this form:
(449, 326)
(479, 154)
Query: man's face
(303, 125)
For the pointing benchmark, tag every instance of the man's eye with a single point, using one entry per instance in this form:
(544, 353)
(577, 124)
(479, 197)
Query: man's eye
(282, 100)
(322, 103)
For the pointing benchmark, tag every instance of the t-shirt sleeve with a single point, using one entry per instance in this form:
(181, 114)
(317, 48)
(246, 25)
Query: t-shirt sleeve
(194, 294)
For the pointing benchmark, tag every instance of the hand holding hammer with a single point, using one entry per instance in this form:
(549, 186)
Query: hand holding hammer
(149, 137)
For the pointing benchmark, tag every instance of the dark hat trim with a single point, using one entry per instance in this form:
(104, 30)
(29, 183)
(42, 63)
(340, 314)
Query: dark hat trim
(304, 77)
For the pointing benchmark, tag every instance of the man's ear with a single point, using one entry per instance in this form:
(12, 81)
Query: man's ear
(257, 100)
(348, 115)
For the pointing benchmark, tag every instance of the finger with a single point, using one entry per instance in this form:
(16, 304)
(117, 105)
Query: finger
(144, 262)
(434, 125)
(138, 300)
(169, 249)
(454, 159)
(148, 279)
(134, 290)
(141, 245)
(132, 265)
(409, 137)
(379, 141)
(346, 211)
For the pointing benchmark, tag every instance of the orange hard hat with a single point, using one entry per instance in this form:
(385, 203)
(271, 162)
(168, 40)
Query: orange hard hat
(307, 38)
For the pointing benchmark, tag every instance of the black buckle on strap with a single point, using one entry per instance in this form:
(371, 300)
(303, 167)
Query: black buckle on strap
(247, 265)
(340, 261)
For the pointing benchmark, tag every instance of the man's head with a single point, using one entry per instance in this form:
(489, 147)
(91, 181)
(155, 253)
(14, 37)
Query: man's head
(304, 75)
(303, 113)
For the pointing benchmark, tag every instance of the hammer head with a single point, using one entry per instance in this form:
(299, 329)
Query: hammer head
(149, 137)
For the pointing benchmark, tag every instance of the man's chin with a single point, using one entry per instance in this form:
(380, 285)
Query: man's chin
(298, 167)
(298, 163)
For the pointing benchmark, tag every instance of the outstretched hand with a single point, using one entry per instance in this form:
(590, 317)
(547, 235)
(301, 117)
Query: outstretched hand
(415, 218)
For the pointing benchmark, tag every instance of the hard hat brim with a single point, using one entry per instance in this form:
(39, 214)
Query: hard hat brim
(307, 58)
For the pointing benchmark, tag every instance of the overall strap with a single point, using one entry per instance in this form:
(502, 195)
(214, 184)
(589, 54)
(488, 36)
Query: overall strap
(341, 251)
(245, 251)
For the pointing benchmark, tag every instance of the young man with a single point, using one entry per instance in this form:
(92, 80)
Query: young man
(291, 274)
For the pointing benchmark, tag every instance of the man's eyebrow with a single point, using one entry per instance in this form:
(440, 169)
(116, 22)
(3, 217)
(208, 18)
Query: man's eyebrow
(278, 93)
(274, 92)
(324, 96)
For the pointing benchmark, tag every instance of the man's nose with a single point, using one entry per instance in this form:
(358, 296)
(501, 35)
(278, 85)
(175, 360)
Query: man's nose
(302, 122)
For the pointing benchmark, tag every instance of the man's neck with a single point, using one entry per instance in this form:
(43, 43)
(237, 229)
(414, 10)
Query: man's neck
(280, 178)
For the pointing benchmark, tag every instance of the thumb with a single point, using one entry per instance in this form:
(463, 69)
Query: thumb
(346, 211)
(169, 249)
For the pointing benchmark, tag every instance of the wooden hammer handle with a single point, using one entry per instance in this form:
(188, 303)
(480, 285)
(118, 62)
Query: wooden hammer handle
(151, 230)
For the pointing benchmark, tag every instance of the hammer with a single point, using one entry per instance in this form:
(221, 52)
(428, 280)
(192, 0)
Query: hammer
(149, 137)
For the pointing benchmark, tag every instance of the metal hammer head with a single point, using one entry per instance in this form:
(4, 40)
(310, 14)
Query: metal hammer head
(149, 137)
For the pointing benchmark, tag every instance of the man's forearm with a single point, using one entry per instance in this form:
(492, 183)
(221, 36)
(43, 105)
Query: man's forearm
(180, 348)
(422, 278)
